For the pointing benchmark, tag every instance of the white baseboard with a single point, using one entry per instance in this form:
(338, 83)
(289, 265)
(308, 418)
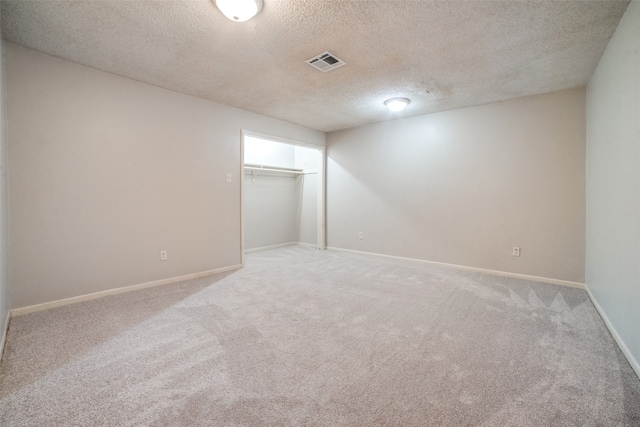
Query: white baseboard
(5, 331)
(74, 300)
(280, 245)
(476, 269)
(625, 350)
(266, 248)
(307, 245)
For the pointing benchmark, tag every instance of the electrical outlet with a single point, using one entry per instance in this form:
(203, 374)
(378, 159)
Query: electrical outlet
(163, 255)
(361, 235)
(516, 251)
(228, 177)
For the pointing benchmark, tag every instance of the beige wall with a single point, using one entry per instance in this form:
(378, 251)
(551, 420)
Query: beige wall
(4, 211)
(106, 172)
(464, 186)
(613, 184)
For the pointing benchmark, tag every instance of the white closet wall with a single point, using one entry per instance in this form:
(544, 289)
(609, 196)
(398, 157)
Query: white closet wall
(270, 210)
(308, 160)
(279, 207)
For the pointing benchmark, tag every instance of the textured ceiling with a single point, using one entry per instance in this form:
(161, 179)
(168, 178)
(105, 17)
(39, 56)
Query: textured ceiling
(441, 55)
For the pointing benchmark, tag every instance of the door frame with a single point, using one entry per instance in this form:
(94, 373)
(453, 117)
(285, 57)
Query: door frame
(321, 226)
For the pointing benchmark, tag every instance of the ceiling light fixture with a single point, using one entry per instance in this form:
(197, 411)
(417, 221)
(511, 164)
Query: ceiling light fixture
(396, 104)
(239, 10)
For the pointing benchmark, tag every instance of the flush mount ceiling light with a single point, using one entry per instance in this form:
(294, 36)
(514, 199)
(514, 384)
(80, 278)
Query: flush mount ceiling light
(397, 104)
(239, 10)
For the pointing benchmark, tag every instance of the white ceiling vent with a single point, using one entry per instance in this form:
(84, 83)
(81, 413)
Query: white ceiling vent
(325, 62)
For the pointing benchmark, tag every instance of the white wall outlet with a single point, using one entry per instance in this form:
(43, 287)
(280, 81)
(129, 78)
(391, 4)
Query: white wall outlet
(516, 251)
(163, 255)
(361, 235)
(228, 177)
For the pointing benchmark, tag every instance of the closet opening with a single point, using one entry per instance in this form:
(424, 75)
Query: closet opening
(282, 193)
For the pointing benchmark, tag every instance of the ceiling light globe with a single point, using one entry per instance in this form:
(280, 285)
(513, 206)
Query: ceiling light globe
(239, 10)
(396, 104)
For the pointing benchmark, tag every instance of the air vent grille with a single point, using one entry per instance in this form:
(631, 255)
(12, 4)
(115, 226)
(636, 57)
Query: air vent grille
(325, 62)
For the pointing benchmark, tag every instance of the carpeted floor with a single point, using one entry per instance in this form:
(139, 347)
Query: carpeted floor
(304, 337)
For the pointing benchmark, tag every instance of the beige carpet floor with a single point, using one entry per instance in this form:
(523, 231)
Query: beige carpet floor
(321, 338)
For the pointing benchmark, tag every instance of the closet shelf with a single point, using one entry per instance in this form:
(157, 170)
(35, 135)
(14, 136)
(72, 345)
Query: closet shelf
(272, 169)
